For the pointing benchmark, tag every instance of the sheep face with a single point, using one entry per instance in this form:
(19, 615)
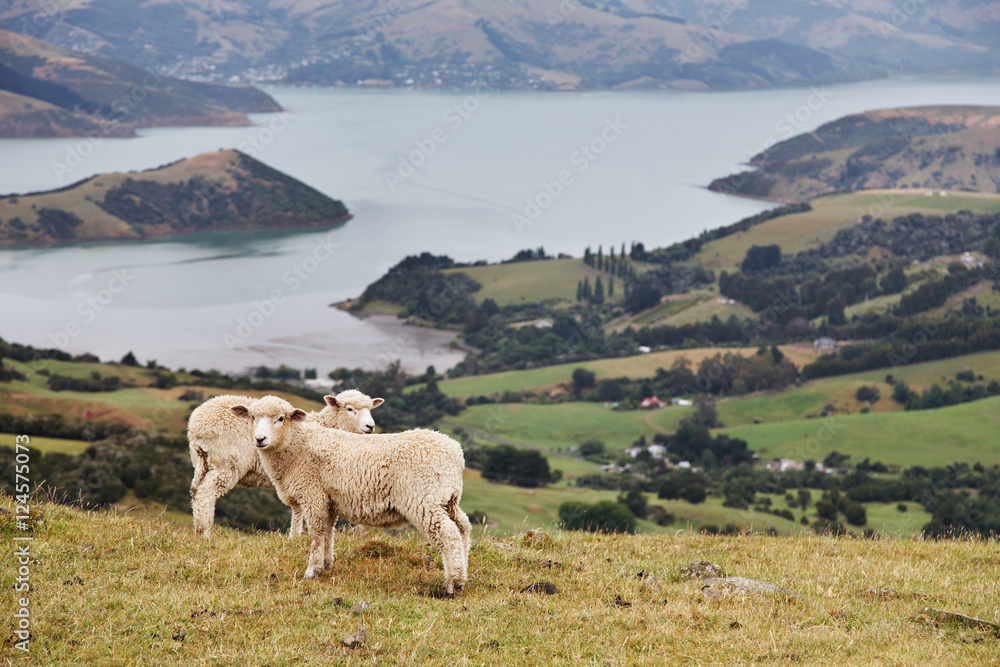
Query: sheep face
(270, 419)
(358, 407)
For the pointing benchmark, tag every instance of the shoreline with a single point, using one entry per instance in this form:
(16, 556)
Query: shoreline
(117, 240)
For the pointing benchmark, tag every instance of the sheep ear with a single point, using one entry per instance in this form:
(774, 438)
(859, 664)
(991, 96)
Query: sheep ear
(331, 401)
(297, 415)
(240, 411)
(377, 402)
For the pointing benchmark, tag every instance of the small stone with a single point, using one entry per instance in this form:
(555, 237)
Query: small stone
(940, 616)
(503, 546)
(541, 587)
(537, 536)
(883, 592)
(700, 569)
(361, 607)
(356, 640)
(713, 589)
(650, 584)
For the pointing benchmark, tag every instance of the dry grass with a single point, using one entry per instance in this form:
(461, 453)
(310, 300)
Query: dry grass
(140, 590)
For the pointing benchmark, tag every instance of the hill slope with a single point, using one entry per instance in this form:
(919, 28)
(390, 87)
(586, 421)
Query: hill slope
(144, 590)
(219, 190)
(683, 43)
(947, 147)
(48, 91)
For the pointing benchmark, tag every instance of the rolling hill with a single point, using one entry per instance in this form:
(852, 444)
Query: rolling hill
(942, 147)
(49, 91)
(547, 44)
(220, 190)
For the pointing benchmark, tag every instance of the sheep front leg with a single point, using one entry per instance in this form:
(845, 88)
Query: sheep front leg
(319, 531)
(331, 531)
(296, 528)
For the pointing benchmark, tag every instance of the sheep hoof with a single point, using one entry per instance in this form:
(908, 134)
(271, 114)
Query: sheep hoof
(310, 573)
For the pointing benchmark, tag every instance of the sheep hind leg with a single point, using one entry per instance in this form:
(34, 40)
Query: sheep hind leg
(444, 533)
(461, 520)
(215, 484)
(199, 461)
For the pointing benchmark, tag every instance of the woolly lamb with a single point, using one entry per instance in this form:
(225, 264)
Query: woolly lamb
(223, 456)
(383, 480)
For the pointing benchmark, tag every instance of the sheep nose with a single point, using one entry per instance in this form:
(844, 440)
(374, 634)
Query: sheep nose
(260, 439)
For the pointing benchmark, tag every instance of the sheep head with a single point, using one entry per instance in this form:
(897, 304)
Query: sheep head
(350, 410)
(270, 420)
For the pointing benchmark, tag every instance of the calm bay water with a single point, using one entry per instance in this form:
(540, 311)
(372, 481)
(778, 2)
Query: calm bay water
(444, 172)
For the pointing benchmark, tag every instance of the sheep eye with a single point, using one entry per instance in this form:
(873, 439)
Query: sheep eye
(281, 419)
(350, 409)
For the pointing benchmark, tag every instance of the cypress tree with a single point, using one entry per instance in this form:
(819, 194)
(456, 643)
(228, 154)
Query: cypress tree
(598, 290)
(611, 287)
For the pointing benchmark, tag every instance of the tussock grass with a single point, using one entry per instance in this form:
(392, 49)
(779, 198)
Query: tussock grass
(135, 589)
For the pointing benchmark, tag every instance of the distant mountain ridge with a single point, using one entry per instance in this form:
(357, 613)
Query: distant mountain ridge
(49, 91)
(940, 147)
(538, 44)
(213, 191)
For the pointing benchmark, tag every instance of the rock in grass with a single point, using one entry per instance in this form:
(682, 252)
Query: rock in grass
(541, 587)
(356, 640)
(700, 569)
(361, 607)
(942, 617)
(537, 536)
(650, 584)
(716, 588)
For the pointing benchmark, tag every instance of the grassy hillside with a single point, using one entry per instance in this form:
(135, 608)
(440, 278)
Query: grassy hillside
(552, 280)
(139, 403)
(927, 437)
(550, 377)
(942, 147)
(224, 189)
(832, 213)
(48, 91)
(140, 590)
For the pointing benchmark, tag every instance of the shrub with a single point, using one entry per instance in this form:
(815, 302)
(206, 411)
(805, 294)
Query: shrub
(521, 467)
(694, 494)
(636, 501)
(605, 516)
(867, 393)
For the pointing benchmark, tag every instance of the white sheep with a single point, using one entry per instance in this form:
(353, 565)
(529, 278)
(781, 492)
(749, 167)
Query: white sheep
(384, 480)
(224, 457)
